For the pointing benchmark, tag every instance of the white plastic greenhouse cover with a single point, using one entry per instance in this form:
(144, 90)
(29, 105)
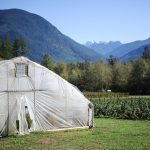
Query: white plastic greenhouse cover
(32, 94)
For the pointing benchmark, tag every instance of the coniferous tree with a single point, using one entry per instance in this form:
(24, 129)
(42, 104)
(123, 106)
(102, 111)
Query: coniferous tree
(16, 46)
(111, 60)
(6, 48)
(23, 49)
(146, 53)
(47, 62)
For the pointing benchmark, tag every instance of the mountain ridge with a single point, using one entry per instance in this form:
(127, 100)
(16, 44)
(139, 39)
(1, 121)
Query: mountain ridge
(134, 54)
(42, 37)
(126, 48)
(123, 52)
(103, 47)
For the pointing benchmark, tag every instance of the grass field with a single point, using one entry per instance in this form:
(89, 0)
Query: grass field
(114, 134)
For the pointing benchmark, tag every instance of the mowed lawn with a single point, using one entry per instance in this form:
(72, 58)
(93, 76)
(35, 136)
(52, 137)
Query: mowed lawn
(108, 134)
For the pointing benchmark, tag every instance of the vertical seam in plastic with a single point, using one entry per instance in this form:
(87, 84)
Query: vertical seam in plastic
(34, 100)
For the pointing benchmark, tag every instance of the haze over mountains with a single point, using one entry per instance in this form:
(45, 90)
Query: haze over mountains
(124, 52)
(103, 47)
(44, 38)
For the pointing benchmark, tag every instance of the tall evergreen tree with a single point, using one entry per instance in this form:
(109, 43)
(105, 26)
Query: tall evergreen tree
(16, 46)
(111, 60)
(23, 49)
(146, 53)
(6, 48)
(47, 62)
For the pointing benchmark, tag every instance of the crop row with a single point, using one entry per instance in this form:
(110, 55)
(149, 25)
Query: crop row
(125, 108)
(104, 94)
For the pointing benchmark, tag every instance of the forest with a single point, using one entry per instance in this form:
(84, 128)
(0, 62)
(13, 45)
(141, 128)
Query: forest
(131, 77)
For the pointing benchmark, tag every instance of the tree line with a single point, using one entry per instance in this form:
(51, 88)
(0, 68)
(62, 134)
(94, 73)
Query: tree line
(10, 49)
(131, 77)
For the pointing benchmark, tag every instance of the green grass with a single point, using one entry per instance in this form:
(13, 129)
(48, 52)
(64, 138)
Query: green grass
(114, 134)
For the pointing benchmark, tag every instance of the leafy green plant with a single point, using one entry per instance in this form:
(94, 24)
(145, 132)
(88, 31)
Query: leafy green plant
(123, 107)
(29, 121)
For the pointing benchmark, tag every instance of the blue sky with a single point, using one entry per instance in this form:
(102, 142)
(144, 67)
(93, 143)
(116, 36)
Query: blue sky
(92, 20)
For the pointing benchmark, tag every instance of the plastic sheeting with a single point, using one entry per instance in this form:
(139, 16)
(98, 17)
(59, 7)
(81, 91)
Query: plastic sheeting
(37, 99)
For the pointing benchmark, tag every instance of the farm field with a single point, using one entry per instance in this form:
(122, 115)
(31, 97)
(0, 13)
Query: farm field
(108, 134)
(134, 107)
(99, 95)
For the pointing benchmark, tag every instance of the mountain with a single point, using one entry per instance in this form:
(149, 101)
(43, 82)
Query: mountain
(124, 52)
(125, 49)
(103, 47)
(42, 37)
(134, 54)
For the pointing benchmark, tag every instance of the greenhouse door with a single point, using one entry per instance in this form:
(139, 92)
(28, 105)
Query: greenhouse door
(3, 114)
(19, 105)
(22, 122)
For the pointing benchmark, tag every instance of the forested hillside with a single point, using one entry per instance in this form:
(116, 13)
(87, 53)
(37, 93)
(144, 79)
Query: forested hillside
(42, 37)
